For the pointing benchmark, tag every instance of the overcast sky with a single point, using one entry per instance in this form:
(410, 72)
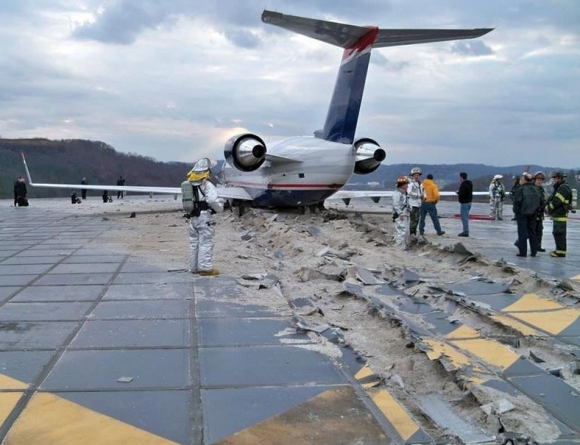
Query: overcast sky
(173, 80)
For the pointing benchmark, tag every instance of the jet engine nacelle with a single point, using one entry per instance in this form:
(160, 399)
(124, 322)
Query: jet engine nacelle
(246, 152)
(369, 156)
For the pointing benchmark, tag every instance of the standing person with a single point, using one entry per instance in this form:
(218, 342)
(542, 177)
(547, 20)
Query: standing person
(16, 191)
(558, 207)
(415, 193)
(539, 178)
(527, 201)
(515, 186)
(120, 181)
(84, 191)
(429, 206)
(20, 192)
(465, 196)
(496, 197)
(201, 229)
(401, 211)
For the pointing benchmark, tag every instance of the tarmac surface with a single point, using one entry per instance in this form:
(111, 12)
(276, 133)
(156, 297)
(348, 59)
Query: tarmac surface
(97, 347)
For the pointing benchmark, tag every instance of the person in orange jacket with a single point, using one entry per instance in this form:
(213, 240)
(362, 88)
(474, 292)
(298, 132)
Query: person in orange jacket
(429, 206)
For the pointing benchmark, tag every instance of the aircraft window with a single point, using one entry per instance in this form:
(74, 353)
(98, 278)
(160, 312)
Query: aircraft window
(300, 175)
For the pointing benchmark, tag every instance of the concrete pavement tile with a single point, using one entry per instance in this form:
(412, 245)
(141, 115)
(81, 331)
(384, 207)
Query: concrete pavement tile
(227, 411)
(132, 333)
(206, 308)
(69, 311)
(23, 365)
(245, 332)
(554, 393)
(174, 291)
(101, 370)
(158, 309)
(153, 278)
(478, 288)
(85, 268)
(35, 335)
(83, 259)
(265, 365)
(59, 293)
(80, 278)
(130, 267)
(6, 291)
(164, 413)
(46, 252)
(16, 280)
(24, 269)
(32, 260)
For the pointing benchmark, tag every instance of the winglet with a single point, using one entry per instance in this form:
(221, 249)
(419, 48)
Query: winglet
(27, 171)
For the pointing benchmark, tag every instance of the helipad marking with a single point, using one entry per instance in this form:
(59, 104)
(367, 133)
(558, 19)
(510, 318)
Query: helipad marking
(463, 332)
(438, 348)
(395, 414)
(49, 419)
(553, 322)
(520, 327)
(365, 371)
(490, 351)
(532, 303)
(10, 383)
(8, 401)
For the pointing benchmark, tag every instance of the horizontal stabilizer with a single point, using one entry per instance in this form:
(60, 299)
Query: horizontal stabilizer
(345, 36)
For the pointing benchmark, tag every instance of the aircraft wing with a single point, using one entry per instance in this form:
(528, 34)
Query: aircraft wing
(376, 195)
(345, 36)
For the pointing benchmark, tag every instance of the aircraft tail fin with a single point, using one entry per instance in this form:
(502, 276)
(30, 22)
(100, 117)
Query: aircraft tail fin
(357, 42)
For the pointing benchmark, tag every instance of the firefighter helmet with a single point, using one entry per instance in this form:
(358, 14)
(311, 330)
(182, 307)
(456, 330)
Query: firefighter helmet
(416, 170)
(557, 174)
(402, 181)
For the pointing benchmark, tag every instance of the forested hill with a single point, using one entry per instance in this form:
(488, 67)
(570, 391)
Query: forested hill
(69, 160)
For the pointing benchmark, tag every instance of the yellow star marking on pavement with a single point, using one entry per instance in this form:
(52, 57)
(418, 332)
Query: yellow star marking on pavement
(364, 372)
(490, 351)
(8, 401)
(531, 302)
(395, 414)
(520, 327)
(49, 419)
(10, 383)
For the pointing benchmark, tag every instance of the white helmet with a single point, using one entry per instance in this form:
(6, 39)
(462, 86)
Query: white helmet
(203, 164)
(497, 177)
(416, 170)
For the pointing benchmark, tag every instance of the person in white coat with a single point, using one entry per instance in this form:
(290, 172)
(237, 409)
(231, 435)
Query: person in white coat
(496, 197)
(201, 228)
(401, 211)
(416, 193)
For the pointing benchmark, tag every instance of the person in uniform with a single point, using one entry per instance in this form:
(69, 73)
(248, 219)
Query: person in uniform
(401, 211)
(415, 193)
(539, 178)
(496, 197)
(558, 207)
(201, 229)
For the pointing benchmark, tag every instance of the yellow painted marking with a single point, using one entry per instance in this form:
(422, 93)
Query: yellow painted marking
(553, 322)
(520, 327)
(531, 302)
(8, 401)
(458, 359)
(10, 383)
(463, 332)
(396, 415)
(364, 372)
(490, 351)
(371, 384)
(577, 278)
(49, 419)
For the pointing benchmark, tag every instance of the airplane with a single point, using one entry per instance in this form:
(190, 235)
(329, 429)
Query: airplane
(304, 171)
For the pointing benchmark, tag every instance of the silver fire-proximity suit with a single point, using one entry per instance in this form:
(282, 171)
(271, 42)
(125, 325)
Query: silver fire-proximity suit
(201, 228)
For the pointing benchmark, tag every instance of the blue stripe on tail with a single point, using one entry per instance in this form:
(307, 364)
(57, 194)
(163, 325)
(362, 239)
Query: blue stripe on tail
(342, 117)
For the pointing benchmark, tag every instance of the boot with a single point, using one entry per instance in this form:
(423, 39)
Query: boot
(209, 273)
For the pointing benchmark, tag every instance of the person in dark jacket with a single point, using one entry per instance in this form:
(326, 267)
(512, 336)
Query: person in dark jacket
(527, 202)
(539, 178)
(20, 193)
(515, 186)
(465, 196)
(558, 207)
(120, 181)
(84, 191)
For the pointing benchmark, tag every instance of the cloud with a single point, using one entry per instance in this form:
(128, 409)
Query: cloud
(471, 48)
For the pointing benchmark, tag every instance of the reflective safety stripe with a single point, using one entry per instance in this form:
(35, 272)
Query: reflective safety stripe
(560, 218)
(561, 198)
